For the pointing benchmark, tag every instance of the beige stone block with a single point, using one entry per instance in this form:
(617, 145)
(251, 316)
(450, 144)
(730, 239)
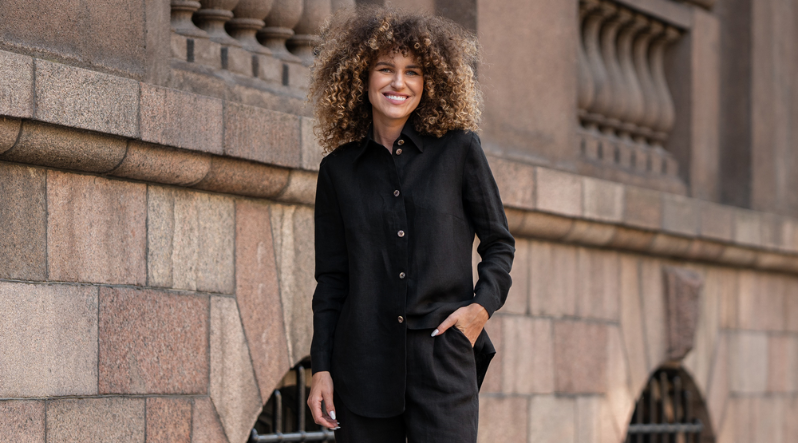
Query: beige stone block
(96, 420)
(234, 176)
(791, 302)
(153, 163)
(16, 85)
(699, 360)
(552, 279)
(717, 221)
(747, 227)
(191, 240)
(761, 301)
(80, 98)
(237, 60)
(771, 230)
(528, 363)
(632, 321)
(782, 355)
(9, 132)
(580, 362)
(292, 230)
(23, 220)
(717, 393)
(66, 148)
(748, 361)
(181, 119)
(759, 419)
(178, 46)
(516, 182)
(558, 192)
(593, 421)
(620, 399)
(728, 299)
(301, 188)
(603, 200)
(205, 52)
(205, 425)
(258, 295)
(22, 421)
(552, 419)
(48, 340)
(262, 135)
(788, 420)
(518, 297)
(311, 150)
(597, 284)
(268, 68)
(642, 208)
(590, 233)
(234, 390)
(680, 214)
(168, 420)
(494, 379)
(502, 419)
(653, 304)
(96, 229)
(298, 75)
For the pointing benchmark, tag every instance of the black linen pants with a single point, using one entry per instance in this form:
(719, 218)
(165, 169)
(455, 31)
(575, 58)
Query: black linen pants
(441, 398)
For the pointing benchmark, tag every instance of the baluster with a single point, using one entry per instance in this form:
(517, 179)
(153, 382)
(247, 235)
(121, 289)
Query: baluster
(307, 30)
(280, 22)
(666, 114)
(586, 89)
(181, 23)
(602, 93)
(618, 88)
(635, 105)
(212, 17)
(248, 20)
(643, 68)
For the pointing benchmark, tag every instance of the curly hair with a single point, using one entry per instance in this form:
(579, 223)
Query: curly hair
(352, 40)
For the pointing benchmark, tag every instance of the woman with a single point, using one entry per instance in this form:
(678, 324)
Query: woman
(398, 349)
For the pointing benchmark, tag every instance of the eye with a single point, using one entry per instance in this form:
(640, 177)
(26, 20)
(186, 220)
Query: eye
(386, 70)
(413, 73)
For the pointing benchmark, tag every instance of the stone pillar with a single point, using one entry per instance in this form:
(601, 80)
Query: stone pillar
(280, 22)
(248, 20)
(307, 30)
(182, 10)
(212, 17)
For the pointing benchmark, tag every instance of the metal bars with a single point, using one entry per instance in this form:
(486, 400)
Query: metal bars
(664, 412)
(281, 412)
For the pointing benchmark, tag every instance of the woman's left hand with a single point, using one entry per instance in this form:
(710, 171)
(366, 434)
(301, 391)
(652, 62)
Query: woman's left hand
(468, 319)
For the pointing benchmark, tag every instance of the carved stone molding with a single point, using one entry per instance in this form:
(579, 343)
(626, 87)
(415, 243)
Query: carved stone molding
(682, 294)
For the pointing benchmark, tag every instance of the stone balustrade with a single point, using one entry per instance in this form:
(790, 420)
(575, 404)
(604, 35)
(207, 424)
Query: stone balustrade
(626, 110)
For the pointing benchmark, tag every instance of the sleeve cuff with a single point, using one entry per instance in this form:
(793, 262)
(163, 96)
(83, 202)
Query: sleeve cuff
(485, 301)
(319, 363)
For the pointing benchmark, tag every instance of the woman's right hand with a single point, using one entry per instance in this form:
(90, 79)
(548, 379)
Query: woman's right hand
(321, 388)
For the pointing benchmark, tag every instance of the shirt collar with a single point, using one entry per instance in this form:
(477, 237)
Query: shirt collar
(408, 133)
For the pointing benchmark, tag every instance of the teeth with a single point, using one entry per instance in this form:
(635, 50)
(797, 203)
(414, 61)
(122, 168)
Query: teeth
(396, 97)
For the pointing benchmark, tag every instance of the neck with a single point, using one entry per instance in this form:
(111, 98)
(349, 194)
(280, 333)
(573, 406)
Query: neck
(386, 132)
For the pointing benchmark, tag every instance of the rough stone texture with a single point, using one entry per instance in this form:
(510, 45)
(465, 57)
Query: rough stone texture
(238, 60)
(494, 378)
(679, 214)
(729, 300)
(558, 192)
(243, 178)
(16, 85)
(262, 135)
(552, 279)
(86, 99)
(603, 200)
(66, 148)
(593, 421)
(782, 363)
(152, 342)
(551, 420)
(747, 227)
(643, 208)
(48, 340)
(298, 75)
(181, 119)
(207, 53)
(761, 302)
(9, 132)
(23, 220)
(717, 393)
(528, 365)
(682, 292)
(502, 419)
(757, 419)
(748, 360)
(292, 230)
(717, 221)
(311, 150)
(620, 402)
(301, 188)
(157, 164)
(597, 284)
(518, 297)
(258, 295)
(268, 68)
(22, 421)
(234, 390)
(700, 360)
(590, 233)
(580, 363)
(168, 420)
(96, 230)
(205, 425)
(516, 182)
(791, 303)
(96, 420)
(653, 304)
(632, 322)
(191, 240)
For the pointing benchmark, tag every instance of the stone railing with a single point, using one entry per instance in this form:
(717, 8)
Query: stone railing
(626, 110)
(269, 40)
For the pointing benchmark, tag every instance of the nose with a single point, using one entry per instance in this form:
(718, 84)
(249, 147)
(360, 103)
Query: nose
(398, 81)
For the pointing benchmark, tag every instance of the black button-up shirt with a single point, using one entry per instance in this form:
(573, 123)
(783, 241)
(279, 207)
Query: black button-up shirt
(394, 235)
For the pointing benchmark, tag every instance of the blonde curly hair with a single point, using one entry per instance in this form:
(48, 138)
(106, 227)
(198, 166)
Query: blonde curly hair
(352, 40)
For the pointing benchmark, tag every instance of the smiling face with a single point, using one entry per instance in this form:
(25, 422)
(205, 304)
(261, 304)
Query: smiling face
(395, 86)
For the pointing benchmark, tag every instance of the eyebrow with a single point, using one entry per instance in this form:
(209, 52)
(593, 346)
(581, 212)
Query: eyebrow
(392, 65)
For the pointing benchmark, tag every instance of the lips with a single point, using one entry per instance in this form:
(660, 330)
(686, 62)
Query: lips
(396, 99)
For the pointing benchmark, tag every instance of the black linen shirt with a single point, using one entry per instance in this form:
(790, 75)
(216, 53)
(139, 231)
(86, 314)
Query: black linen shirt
(394, 237)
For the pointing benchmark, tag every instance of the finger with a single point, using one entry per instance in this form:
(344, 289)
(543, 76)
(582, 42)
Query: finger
(448, 323)
(330, 407)
(314, 402)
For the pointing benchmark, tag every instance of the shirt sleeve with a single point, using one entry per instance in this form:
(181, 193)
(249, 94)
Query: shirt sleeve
(496, 245)
(332, 270)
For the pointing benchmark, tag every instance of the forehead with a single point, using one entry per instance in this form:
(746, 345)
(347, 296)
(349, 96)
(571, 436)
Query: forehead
(395, 57)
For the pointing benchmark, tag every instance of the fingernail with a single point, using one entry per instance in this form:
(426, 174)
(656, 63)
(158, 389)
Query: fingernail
(336, 428)
(435, 332)
(332, 415)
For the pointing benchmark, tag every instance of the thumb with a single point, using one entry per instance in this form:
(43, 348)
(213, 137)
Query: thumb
(329, 407)
(446, 324)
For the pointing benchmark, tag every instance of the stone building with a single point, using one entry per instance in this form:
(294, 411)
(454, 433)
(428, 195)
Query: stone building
(157, 174)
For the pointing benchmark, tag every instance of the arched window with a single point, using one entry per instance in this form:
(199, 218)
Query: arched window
(670, 410)
(286, 416)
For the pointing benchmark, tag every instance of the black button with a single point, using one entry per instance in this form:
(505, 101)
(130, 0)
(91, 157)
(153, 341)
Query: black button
(401, 275)
(399, 151)
(396, 193)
